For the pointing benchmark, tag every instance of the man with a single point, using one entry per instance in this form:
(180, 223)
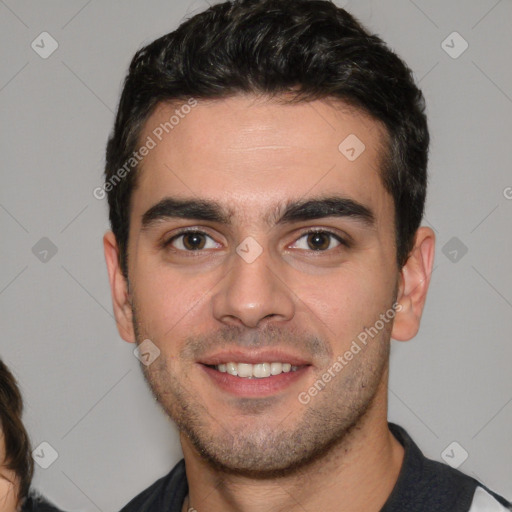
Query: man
(266, 179)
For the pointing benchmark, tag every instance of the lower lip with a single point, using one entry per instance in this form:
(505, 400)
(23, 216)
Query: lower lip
(255, 387)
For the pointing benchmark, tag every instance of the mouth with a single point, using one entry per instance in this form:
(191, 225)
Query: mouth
(255, 371)
(254, 375)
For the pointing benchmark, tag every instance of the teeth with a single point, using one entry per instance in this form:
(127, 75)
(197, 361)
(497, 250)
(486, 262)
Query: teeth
(259, 371)
(244, 370)
(232, 368)
(276, 368)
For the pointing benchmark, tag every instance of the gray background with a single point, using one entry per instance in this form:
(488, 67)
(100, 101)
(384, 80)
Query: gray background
(83, 388)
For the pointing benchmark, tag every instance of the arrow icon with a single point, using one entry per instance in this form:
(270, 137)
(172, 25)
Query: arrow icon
(451, 455)
(146, 356)
(351, 150)
(40, 45)
(452, 45)
(40, 455)
(453, 253)
(44, 253)
(246, 249)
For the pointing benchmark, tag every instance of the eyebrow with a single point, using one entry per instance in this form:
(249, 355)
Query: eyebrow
(169, 208)
(334, 206)
(292, 211)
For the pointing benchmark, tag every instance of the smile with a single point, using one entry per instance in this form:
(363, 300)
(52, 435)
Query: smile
(255, 379)
(258, 370)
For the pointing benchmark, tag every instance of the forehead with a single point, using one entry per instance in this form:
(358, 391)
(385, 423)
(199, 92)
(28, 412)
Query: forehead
(252, 153)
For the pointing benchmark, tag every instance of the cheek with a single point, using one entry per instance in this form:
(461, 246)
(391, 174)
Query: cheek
(8, 496)
(168, 303)
(348, 300)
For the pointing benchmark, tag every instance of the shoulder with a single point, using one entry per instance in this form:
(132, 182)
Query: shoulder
(166, 494)
(425, 485)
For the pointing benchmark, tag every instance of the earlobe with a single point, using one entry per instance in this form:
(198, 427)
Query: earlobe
(121, 300)
(413, 286)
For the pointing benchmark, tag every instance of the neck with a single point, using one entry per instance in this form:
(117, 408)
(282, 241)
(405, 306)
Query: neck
(356, 475)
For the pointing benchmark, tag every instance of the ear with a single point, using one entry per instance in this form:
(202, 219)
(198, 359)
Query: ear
(413, 285)
(121, 299)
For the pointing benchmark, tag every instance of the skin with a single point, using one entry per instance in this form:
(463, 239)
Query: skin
(251, 156)
(8, 483)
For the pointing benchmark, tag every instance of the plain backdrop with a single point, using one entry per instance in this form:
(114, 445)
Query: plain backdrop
(83, 388)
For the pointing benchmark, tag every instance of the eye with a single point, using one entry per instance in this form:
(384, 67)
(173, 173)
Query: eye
(317, 241)
(192, 241)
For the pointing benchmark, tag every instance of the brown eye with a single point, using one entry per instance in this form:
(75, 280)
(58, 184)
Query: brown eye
(192, 241)
(319, 241)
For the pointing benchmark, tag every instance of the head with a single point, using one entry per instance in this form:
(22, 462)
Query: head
(266, 180)
(16, 465)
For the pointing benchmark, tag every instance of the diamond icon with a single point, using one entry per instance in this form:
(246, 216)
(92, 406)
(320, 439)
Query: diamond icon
(146, 352)
(454, 455)
(454, 249)
(44, 45)
(44, 455)
(249, 250)
(44, 250)
(454, 45)
(351, 147)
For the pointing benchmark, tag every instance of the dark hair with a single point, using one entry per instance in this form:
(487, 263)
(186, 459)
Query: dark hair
(311, 48)
(17, 444)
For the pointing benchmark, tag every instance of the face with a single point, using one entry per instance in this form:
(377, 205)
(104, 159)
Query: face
(259, 248)
(8, 482)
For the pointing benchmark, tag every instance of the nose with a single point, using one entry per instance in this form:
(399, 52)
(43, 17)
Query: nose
(253, 293)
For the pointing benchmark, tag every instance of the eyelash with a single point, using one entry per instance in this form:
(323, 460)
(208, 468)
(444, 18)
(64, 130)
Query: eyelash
(344, 242)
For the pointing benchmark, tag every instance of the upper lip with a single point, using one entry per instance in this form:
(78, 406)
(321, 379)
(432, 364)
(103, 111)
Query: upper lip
(253, 357)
